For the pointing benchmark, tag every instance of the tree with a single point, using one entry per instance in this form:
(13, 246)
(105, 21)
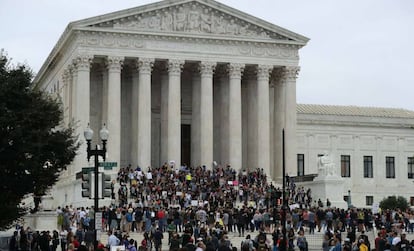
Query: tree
(394, 202)
(34, 146)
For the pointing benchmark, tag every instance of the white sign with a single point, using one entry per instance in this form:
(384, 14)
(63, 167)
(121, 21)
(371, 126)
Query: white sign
(118, 248)
(98, 220)
(375, 208)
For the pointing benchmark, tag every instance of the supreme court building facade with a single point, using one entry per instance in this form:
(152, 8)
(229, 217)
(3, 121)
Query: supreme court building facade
(196, 82)
(189, 81)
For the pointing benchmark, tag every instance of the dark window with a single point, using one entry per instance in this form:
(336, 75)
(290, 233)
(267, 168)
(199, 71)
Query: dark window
(411, 167)
(369, 200)
(389, 168)
(301, 164)
(411, 201)
(345, 166)
(368, 171)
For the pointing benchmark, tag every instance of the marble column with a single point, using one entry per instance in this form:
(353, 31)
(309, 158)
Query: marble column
(290, 75)
(250, 78)
(144, 112)
(378, 160)
(263, 117)
(235, 116)
(134, 116)
(221, 115)
(174, 111)
(279, 122)
(164, 116)
(81, 103)
(67, 82)
(114, 66)
(206, 113)
(104, 117)
(195, 120)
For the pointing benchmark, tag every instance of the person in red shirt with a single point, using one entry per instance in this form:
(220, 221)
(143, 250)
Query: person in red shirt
(161, 219)
(75, 242)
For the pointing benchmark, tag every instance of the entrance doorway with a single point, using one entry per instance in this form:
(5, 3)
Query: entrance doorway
(186, 144)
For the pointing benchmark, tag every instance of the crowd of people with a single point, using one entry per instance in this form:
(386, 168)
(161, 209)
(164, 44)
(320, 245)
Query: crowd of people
(197, 209)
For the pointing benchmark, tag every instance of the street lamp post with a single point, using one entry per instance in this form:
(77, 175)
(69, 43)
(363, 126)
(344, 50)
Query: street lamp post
(103, 134)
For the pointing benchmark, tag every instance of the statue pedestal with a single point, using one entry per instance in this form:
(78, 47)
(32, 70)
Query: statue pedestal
(46, 220)
(328, 187)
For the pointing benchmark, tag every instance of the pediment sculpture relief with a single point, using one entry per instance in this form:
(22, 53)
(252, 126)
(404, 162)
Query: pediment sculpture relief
(192, 18)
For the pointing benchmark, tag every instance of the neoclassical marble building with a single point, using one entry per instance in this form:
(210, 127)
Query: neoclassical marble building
(372, 149)
(197, 82)
(186, 81)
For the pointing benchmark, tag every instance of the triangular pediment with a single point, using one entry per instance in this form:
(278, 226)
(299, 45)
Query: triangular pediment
(191, 17)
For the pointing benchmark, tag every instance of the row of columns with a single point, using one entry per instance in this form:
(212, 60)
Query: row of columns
(77, 78)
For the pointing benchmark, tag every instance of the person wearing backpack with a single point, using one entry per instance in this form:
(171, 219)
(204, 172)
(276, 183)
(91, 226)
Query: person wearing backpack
(131, 245)
(261, 242)
(129, 220)
(247, 244)
(301, 241)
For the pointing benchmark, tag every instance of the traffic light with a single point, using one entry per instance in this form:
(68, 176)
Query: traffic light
(106, 185)
(86, 185)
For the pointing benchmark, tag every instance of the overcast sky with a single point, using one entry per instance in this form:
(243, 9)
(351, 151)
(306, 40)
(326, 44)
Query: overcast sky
(361, 52)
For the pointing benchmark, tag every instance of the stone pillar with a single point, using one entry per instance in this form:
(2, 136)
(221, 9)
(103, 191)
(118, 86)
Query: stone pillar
(174, 111)
(400, 160)
(81, 98)
(67, 82)
(113, 123)
(164, 117)
(379, 160)
(263, 118)
(290, 75)
(250, 78)
(279, 122)
(144, 112)
(336, 159)
(195, 120)
(134, 117)
(356, 158)
(221, 115)
(235, 116)
(104, 109)
(206, 113)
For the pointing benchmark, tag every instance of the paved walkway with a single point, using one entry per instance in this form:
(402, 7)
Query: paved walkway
(314, 240)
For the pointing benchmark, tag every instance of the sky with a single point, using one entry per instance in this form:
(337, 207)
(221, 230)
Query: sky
(361, 52)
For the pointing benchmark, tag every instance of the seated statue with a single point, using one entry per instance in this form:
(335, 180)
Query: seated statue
(326, 167)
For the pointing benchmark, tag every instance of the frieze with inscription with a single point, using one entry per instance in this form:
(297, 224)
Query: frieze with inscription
(192, 18)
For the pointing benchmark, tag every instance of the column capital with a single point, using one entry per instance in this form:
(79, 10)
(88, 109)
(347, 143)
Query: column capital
(207, 67)
(263, 72)
(287, 73)
(66, 76)
(175, 66)
(235, 70)
(114, 63)
(145, 65)
(82, 62)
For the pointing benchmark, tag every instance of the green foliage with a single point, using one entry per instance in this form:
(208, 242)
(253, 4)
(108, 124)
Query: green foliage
(34, 147)
(394, 202)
